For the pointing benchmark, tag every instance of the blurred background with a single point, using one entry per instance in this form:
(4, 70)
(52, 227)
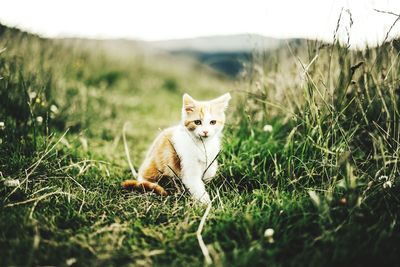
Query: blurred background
(220, 34)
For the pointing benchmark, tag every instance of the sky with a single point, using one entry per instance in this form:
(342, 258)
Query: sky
(152, 20)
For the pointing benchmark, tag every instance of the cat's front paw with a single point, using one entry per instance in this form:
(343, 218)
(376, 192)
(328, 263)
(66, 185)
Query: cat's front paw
(203, 198)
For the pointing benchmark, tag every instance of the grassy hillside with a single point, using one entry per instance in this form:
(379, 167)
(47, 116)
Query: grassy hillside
(219, 43)
(325, 178)
(225, 54)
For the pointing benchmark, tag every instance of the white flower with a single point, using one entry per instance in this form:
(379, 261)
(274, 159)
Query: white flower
(54, 108)
(269, 235)
(70, 261)
(32, 95)
(39, 119)
(12, 183)
(2, 125)
(383, 177)
(387, 184)
(267, 128)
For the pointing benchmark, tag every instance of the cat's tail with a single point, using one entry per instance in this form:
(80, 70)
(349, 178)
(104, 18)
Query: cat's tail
(132, 184)
(145, 186)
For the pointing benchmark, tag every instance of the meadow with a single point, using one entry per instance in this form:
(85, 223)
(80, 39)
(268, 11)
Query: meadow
(310, 150)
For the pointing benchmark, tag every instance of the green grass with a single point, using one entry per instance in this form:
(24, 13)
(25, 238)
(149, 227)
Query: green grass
(317, 179)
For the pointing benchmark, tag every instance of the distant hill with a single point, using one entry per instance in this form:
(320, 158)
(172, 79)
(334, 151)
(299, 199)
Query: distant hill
(218, 44)
(227, 63)
(225, 53)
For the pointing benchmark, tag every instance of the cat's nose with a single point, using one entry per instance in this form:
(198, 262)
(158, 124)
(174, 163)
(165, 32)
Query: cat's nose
(205, 133)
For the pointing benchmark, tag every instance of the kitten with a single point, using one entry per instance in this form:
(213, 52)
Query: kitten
(188, 150)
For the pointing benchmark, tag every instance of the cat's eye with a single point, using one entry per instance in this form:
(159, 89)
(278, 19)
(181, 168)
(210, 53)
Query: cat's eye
(197, 122)
(213, 122)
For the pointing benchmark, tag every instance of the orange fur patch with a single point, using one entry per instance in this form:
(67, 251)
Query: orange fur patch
(190, 125)
(144, 186)
(162, 159)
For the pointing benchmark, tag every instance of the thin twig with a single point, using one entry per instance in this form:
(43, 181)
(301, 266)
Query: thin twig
(76, 164)
(216, 156)
(387, 12)
(202, 245)
(36, 199)
(128, 157)
(205, 150)
(83, 201)
(392, 26)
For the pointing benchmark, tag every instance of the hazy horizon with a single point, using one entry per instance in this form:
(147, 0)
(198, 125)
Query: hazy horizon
(158, 21)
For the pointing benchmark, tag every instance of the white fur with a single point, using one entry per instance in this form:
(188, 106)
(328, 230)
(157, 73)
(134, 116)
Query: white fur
(195, 159)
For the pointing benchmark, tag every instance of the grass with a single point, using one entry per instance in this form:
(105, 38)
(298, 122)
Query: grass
(325, 179)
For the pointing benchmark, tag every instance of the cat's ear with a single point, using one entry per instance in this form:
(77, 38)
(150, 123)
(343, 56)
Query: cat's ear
(188, 103)
(222, 101)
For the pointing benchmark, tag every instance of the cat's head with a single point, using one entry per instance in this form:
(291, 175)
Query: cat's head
(204, 119)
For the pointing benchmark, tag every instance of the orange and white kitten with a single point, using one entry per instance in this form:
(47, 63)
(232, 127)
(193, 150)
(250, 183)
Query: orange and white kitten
(187, 150)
